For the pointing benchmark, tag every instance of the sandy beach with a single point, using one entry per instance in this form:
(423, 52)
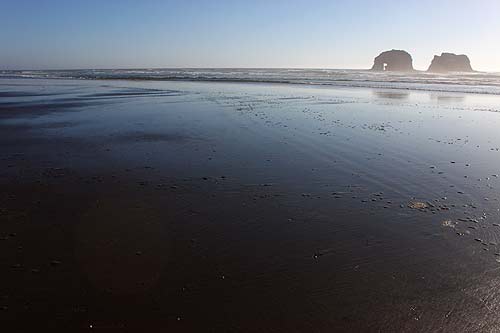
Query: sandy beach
(244, 207)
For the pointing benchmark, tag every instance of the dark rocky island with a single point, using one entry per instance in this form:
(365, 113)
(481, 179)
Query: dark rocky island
(394, 60)
(450, 62)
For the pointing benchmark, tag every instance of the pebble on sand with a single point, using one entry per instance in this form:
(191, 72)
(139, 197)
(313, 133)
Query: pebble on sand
(417, 205)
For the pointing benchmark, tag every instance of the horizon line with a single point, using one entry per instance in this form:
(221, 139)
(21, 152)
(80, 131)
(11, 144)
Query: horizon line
(240, 68)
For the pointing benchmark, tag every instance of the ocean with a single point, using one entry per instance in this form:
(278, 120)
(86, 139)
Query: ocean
(476, 82)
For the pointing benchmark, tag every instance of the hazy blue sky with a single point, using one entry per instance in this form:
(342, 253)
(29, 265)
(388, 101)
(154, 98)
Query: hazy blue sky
(273, 33)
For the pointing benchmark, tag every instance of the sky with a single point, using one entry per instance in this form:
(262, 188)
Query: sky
(66, 34)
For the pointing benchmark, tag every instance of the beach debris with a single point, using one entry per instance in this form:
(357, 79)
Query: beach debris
(55, 263)
(417, 205)
(317, 255)
(448, 223)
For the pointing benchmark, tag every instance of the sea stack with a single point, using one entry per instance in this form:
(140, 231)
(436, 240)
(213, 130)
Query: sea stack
(394, 60)
(450, 62)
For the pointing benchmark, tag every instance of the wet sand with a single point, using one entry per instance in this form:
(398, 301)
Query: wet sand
(220, 207)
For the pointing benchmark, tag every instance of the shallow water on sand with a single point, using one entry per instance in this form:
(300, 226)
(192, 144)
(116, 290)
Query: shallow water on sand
(247, 207)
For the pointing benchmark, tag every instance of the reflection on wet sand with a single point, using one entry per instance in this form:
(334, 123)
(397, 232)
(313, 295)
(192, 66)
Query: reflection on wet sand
(392, 94)
(444, 98)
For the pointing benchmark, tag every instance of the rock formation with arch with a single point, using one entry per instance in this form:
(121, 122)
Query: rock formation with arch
(394, 60)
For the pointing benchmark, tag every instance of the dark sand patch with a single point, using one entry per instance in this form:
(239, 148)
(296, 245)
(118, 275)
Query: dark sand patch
(149, 137)
(36, 109)
(133, 93)
(6, 94)
(45, 125)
